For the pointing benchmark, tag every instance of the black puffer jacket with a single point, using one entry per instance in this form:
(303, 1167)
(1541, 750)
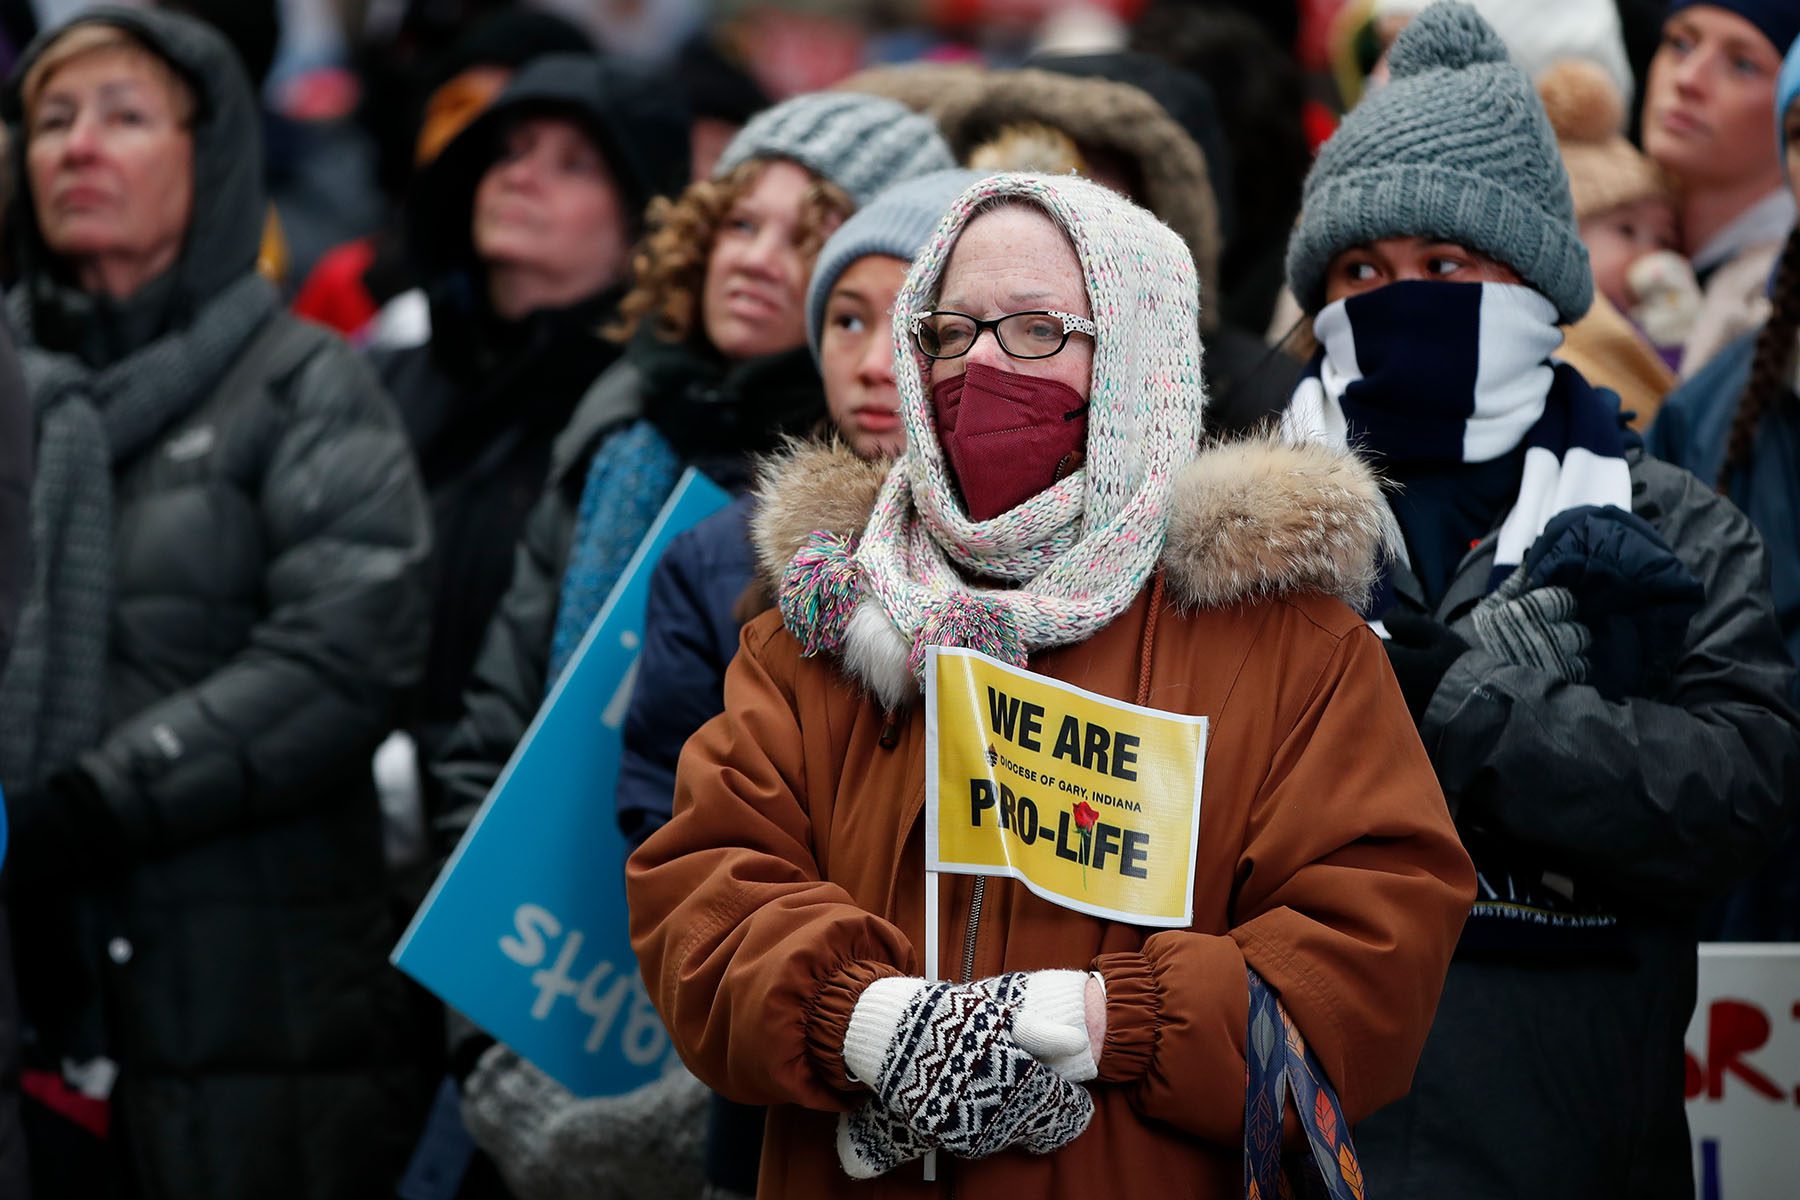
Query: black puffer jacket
(484, 399)
(15, 568)
(1554, 1066)
(268, 610)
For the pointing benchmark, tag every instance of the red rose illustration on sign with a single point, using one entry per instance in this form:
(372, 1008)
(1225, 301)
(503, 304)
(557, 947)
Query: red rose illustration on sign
(1085, 816)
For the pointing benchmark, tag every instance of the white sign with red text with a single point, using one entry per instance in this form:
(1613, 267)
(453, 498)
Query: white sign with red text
(1743, 1073)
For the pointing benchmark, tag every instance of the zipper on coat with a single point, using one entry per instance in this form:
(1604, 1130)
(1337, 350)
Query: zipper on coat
(975, 898)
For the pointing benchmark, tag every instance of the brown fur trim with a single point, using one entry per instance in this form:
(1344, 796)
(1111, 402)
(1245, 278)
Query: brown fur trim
(972, 105)
(1262, 517)
(939, 90)
(1249, 519)
(807, 486)
(1100, 114)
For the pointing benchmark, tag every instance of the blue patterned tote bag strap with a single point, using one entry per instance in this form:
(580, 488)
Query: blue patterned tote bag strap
(1279, 1063)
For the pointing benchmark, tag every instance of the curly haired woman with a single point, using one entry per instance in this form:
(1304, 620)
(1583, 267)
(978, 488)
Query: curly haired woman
(716, 369)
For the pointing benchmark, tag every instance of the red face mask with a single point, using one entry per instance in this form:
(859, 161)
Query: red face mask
(1007, 437)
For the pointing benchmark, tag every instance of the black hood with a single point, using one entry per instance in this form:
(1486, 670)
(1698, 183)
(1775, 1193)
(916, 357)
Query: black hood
(1183, 95)
(510, 38)
(637, 118)
(225, 229)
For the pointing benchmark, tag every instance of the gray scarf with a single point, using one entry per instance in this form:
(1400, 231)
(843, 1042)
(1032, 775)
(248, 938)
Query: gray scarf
(53, 696)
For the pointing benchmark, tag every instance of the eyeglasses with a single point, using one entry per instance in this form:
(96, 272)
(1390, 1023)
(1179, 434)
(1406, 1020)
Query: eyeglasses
(1034, 334)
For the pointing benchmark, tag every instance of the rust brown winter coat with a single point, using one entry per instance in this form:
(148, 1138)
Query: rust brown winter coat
(792, 874)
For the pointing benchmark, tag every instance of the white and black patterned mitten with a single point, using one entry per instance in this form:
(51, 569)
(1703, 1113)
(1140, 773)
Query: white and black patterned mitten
(943, 1059)
(1537, 628)
(873, 1141)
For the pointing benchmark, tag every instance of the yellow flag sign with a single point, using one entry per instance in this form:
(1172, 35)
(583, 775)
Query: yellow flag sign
(1092, 803)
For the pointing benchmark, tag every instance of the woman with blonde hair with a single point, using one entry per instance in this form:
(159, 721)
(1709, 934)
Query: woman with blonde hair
(227, 599)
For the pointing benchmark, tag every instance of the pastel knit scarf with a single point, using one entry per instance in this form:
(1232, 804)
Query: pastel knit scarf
(1064, 564)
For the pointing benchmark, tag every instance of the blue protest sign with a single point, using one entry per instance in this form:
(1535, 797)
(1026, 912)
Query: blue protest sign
(525, 930)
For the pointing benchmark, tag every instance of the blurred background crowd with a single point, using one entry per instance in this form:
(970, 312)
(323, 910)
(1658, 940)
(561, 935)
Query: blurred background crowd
(547, 255)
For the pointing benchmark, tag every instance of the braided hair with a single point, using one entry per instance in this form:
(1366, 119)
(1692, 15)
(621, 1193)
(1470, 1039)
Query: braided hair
(1769, 367)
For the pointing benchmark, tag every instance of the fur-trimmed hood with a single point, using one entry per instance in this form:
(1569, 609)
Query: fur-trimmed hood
(1250, 520)
(973, 107)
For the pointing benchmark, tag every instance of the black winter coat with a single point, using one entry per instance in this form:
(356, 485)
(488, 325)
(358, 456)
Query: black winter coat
(270, 607)
(1563, 1077)
(484, 400)
(716, 416)
(268, 610)
(15, 569)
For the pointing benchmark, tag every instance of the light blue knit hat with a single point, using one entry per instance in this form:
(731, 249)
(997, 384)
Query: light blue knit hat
(863, 144)
(895, 223)
(1456, 147)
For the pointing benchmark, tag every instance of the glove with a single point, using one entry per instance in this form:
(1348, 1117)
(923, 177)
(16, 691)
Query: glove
(943, 1058)
(550, 1144)
(1536, 628)
(1421, 650)
(1050, 1025)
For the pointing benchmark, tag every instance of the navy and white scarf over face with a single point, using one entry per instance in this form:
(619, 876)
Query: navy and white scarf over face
(1433, 372)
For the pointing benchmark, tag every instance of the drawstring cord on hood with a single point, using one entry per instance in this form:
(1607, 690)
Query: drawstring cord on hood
(1147, 649)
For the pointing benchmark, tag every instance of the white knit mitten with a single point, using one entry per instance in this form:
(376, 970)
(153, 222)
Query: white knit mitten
(1051, 1023)
(873, 1141)
(943, 1058)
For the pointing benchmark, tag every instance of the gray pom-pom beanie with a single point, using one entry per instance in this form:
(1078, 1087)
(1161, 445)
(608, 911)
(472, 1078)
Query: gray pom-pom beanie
(1457, 147)
(896, 223)
(863, 144)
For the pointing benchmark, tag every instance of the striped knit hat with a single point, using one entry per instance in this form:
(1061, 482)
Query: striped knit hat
(1078, 552)
(1456, 147)
(861, 143)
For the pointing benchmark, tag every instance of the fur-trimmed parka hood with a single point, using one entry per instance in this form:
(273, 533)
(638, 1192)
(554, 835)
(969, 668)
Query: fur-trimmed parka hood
(1250, 520)
(973, 107)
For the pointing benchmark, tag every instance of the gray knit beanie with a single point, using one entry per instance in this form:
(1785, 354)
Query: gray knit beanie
(895, 223)
(861, 143)
(1456, 147)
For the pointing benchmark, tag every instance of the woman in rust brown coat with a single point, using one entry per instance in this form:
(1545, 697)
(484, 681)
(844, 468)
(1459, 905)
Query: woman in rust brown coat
(1057, 507)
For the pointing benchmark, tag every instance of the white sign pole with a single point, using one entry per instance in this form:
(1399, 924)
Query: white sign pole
(933, 882)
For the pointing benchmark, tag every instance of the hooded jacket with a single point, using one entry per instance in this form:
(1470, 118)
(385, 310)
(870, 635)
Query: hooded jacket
(484, 400)
(268, 609)
(1084, 99)
(792, 873)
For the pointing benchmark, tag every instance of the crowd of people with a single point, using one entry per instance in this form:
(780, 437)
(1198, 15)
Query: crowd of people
(1410, 389)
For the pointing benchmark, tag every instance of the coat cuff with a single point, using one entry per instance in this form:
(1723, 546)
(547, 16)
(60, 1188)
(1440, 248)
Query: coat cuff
(1133, 1015)
(828, 1018)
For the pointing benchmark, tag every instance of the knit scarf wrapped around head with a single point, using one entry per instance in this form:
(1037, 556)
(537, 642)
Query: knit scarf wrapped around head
(1071, 558)
(52, 700)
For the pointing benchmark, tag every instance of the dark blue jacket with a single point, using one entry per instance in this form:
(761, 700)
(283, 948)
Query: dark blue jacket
(1691, 431)
(690, 636)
